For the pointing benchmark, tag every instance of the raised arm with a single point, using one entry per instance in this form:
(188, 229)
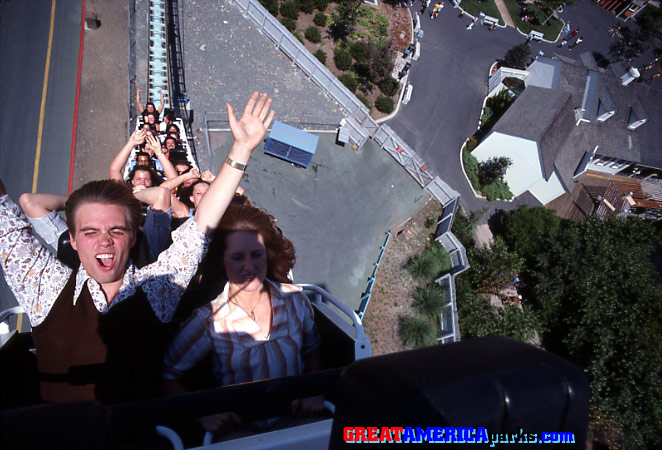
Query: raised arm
(173, 183)
(162, 105)
(140, 106)
(248, 132)
(168, 169)
(157, 197)
(39, 205)
(115, 171)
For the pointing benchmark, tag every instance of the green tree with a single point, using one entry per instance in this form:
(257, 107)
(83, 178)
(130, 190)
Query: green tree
(517, 57)
(630, 44)
(525, 229)
(345, 16)
(416, 333)
(494, 268)
(493, 169)
(373, 61)
(464, 226)
(598, 296)
(431, 300)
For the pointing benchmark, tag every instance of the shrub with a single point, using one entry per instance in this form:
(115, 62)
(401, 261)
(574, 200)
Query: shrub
(416, 333)
(289, 9)
(498, 190)
(471, 165)
(359, 51)
(389, 86)
(320, 5)
(432, 263)
(421, 267)
(342, 59)
(271, 6)
(431, 300)
(321, 56)
(320, 19)
(288, 23)
(349, 81)
(306, 6)
(364, 100)
(384, 104)
(313, 34)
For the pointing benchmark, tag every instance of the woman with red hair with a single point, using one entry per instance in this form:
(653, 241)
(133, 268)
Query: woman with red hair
(260, 326)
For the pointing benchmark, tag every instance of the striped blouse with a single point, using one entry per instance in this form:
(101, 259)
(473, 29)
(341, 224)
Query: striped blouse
(231, 336)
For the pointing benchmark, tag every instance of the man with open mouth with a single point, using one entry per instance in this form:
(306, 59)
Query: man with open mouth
(99, 331)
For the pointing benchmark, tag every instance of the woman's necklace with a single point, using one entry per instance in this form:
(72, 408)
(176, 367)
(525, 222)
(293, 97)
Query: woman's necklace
(252, 313)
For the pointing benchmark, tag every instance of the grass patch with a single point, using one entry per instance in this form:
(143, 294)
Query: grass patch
(474, 7)
(550, 30)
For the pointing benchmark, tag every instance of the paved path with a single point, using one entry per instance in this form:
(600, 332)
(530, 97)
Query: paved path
(505, 14)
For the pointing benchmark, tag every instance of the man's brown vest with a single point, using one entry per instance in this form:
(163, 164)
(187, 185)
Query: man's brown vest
(113, 357)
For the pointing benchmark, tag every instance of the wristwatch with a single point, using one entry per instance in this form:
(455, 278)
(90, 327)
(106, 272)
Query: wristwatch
(235, 165)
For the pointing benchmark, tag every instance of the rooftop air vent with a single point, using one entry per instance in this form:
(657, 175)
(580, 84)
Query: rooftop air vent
(291, 144)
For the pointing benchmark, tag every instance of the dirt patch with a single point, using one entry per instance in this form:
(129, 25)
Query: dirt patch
(394, 286)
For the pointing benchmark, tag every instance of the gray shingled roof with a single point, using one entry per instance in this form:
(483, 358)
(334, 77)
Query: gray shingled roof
(547, 116)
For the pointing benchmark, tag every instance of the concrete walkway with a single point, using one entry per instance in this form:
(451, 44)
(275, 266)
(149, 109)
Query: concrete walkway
(501, 6)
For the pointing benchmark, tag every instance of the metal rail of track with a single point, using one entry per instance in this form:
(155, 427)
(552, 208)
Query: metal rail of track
(158, 52)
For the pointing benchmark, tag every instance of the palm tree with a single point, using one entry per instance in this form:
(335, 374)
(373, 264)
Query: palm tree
(431, 300)
(421, 266)
(416, 333)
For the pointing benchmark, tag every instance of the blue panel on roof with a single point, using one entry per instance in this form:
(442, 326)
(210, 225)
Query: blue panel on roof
(291, 144)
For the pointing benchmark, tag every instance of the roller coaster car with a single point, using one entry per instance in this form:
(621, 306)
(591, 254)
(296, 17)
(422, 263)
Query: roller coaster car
(497, 383)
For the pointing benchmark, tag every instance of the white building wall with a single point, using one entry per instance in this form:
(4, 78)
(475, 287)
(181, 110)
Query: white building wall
(526, 169)
(546, 191)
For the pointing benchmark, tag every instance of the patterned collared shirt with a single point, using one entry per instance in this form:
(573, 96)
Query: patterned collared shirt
(37, 277)
(239, 353)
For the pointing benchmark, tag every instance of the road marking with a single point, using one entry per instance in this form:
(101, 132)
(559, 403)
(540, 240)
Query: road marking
(37, 155)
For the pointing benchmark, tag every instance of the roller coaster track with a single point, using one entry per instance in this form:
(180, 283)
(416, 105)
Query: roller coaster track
(166, 62)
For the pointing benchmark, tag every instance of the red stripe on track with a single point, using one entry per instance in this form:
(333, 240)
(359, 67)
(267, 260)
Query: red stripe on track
(73, 133)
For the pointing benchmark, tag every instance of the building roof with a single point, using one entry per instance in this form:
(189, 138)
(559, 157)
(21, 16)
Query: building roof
(558, 94)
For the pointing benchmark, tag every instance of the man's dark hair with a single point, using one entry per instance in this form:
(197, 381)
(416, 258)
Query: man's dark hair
(108, 192)
(171, 138)
(141, 153)
(156, 179)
